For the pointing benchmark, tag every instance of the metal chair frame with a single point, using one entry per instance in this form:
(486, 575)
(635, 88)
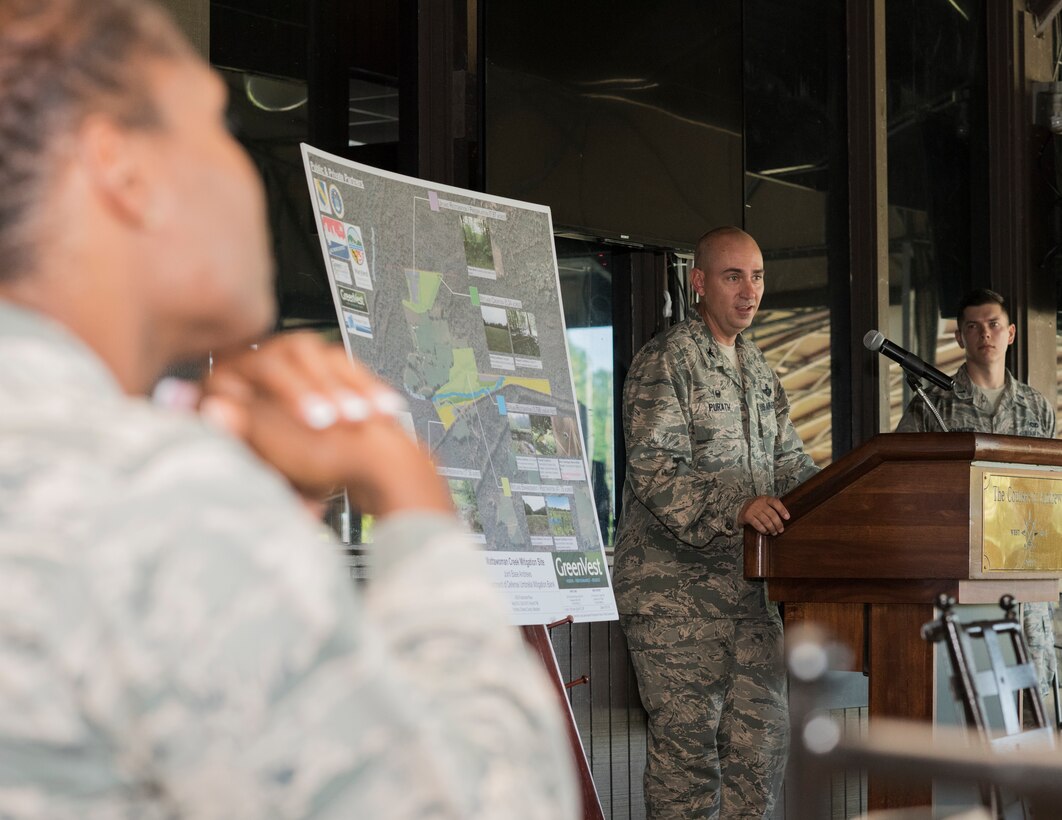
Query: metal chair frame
(1009, 682)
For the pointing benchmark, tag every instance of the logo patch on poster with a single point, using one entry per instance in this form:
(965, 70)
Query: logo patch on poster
(321, 189)
(356, 246)
(337, 238)
(579, 570)
(357, 323)
(353, 300)
(336, 199)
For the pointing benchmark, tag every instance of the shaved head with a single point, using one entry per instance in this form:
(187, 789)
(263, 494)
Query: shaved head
(710, 242)
(728, 276)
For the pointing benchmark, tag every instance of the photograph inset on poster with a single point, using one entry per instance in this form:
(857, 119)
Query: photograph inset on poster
(453, 298)
(463, 492)
(496, 327)
(479, 252)
(523, 332)
(532, 435)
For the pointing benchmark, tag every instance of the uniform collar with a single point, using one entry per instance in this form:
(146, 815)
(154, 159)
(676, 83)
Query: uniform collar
(708, 349)
(706, 341)
(43, 352)
(964, 388)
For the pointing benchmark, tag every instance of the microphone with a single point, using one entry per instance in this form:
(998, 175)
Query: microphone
(876, 342)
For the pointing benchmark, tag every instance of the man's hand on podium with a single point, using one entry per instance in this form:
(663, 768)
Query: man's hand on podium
(764, 513)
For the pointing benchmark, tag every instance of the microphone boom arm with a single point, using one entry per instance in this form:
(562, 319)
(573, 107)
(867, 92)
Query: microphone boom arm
(915, 384)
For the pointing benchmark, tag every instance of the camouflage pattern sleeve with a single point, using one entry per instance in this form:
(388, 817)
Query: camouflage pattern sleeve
(792, 466)
(695, 502)
(1021, 410)
(210, 658)
(488, 712)
(1049, 420)
(914, 417)
(178, 638)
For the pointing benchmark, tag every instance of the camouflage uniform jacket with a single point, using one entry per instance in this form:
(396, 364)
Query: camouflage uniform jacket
(701, 440)
(178, 638)
(1022, 410)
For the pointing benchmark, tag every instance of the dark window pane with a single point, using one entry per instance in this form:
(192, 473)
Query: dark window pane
(937, 159)
(301, 72)
(796, 198)
(625, 121)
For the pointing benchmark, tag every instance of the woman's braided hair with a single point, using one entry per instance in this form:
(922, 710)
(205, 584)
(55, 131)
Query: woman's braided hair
(61, 60)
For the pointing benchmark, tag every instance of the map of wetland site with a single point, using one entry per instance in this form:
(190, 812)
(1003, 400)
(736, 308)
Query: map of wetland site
(452, 297)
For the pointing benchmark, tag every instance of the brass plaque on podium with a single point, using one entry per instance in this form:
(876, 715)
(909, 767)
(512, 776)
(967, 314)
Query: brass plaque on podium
(1021, 521)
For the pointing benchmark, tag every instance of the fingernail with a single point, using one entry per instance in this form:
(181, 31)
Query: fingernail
(390, 403)
(318, 413)
(354, 407)
(177, 394)
(218, 414)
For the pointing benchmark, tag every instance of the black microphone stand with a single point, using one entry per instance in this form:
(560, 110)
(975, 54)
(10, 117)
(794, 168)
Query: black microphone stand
(915, 384)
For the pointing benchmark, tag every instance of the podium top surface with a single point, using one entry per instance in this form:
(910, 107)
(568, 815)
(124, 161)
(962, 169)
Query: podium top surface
(912, 507)
(922, 447)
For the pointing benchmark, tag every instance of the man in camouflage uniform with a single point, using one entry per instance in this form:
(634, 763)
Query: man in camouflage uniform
(988, 399)
(177, 635)
(710, 447)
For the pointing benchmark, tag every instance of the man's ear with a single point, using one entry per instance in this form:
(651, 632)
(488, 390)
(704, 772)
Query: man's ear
(697, 280)
(1012, 331)
(958, 338)
(119, 170)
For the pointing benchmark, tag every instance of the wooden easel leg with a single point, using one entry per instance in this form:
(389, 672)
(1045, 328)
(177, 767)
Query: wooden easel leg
(537, 637)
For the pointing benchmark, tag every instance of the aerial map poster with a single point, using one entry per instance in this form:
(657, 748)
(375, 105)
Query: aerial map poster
(452, 297)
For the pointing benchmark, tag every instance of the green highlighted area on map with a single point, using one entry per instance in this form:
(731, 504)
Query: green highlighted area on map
(423, 289)
(467, 385)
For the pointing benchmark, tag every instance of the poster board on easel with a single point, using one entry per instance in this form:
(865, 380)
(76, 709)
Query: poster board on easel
(453, 297)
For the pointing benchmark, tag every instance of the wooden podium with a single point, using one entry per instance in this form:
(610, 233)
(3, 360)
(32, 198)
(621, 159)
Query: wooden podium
(875, 537)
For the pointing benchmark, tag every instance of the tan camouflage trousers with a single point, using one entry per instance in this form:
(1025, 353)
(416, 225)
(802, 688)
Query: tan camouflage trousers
(1037, 620)
(715, 692)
